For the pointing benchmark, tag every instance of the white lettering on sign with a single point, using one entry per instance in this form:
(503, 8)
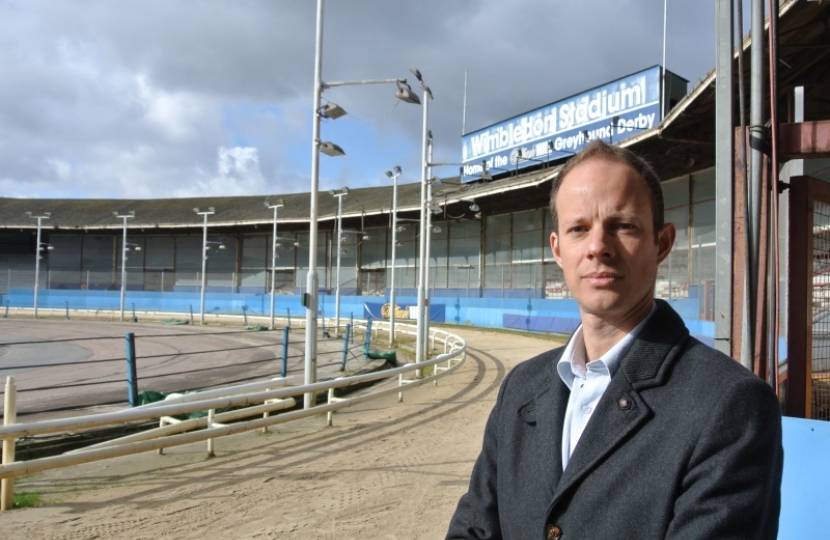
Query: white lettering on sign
(524, 132)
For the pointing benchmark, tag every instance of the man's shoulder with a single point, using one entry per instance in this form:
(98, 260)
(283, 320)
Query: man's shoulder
(703, 359)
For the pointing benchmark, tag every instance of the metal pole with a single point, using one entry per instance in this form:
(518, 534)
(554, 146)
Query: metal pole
(273, 266)
(368, 338)
(37, 263)
(757, 131)
(394, 260)
(123, 266)
(346, 345)
(337, 273)
(204, 272)
(9, 418)
(662, 67)
(132, 371)
(310, 364)
(285, 331)
(428, 241)
(724, 141)
(419, 345)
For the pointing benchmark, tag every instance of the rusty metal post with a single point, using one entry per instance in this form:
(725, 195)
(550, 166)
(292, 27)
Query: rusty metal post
(760, 350)
(799, 312)
(739, 258)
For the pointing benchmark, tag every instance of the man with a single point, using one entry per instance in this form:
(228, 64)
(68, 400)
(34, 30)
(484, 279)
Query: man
(634, 429)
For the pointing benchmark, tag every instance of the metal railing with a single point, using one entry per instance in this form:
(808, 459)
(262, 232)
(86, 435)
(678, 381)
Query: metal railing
(262, 397)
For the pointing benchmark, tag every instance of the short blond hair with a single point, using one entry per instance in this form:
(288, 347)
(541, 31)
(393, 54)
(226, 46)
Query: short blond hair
(598, 149)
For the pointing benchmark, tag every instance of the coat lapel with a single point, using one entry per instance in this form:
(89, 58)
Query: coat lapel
(547, 412)
(622, 410)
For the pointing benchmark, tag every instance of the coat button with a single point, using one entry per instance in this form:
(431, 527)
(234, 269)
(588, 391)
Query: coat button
(624, 403)
(554, 532)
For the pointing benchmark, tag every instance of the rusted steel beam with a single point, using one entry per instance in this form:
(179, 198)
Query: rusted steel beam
(738, 243)
(799, 308)
(804, 140)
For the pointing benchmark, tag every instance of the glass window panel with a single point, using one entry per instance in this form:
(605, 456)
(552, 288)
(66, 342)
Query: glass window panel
(526, 276)
(497, 276)
(373, 251)
(465, 228)
(98, 252)
(253, 278)
(497, 249)
(530, 220)
(527, 246)
(256, 252)
(159, 252)
(704, 185)
(676, 192)
(438, 252)
(438, 277)
(464, 251)
(66, 252)
(188, 254)
(464, 277)
(373, 282)
(405, 277)
(680, 218)
(498, 224)
(703, 221)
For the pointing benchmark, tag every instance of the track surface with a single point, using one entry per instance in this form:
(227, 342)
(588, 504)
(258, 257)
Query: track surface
(88, 368)
(385, 470)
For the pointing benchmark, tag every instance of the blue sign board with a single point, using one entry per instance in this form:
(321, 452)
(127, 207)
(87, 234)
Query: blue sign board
(611, 112)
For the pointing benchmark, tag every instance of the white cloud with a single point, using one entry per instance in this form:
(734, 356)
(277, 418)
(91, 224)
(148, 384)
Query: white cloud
(176, 115)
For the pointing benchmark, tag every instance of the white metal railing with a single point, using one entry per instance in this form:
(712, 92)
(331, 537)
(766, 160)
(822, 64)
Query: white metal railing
(261, 397)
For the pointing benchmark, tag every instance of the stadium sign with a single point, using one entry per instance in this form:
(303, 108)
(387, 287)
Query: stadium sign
(612, 112)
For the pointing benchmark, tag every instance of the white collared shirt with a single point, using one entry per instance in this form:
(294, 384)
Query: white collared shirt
(587, 381)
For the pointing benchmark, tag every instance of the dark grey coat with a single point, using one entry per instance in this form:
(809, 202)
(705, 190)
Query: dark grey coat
(685, 443)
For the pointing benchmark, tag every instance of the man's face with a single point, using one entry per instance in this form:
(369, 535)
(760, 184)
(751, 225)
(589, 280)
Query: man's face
(605, 242)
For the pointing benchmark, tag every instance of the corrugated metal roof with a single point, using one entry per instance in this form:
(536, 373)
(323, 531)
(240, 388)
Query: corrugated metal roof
(92, 214)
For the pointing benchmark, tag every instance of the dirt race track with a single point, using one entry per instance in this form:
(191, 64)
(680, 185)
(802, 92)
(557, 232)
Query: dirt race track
(384, 470)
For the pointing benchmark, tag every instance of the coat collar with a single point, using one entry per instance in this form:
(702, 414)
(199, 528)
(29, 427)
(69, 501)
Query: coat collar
(622, 409)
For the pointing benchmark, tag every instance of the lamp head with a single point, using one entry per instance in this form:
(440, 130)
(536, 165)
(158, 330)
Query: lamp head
(406, 94)
(332, 111)
(331, 149)
(397, 169)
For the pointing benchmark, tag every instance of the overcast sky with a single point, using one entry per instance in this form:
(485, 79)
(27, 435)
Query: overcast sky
(162, 98)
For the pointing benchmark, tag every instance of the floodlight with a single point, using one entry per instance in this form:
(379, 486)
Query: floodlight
(332, 111)
(331, 149)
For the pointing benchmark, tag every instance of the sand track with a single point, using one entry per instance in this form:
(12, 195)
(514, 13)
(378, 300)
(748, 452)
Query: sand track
(384, 470)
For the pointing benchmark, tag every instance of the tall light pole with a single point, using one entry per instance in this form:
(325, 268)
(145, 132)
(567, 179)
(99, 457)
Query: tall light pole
(339, 194)
(204, 214)
(124, 249)
(425, 168)
(330, 110)
(39, 247)
(428, 229)
(394, 177)
(274, 206)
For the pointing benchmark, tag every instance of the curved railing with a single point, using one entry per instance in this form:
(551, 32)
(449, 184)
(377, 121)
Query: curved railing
(262, 397)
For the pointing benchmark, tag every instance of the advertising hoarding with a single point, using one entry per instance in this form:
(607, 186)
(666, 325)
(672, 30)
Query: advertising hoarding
(611, 112)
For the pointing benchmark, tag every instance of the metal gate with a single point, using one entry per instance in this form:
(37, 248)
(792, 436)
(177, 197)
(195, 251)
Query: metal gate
(807, 390)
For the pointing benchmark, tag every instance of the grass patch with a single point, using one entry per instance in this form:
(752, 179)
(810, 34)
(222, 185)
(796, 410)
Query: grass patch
(23, 500)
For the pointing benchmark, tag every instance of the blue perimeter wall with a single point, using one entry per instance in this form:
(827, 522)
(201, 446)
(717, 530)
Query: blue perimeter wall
(532, 314)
